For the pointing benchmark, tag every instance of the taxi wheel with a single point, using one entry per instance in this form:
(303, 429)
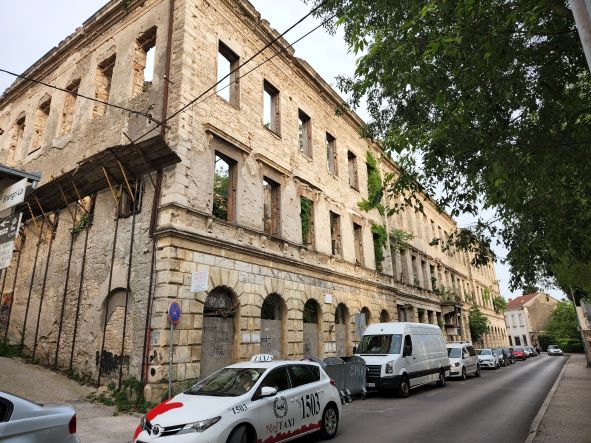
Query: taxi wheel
(239, 435)
(441, 381)
(330, 422)
(463, 373)
(477, 373)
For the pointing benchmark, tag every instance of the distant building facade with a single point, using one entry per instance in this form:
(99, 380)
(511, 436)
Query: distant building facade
(527, 316)
(244, 208)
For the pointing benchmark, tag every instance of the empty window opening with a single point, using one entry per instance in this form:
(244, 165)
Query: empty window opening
(415, 272)
(335, 233)
(127, 203)
(41, 117)
(224, 188)
(424, 274)
(271, 117)
(228, 74)
(331, 154)
(18, 130)
(358, 241)
(271, 206)
(304, 133)
(104, 78)
(143, 64)
(353, 178)
(69, 106)
(307, 220)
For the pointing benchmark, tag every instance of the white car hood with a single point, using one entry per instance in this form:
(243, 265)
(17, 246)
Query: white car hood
(486, 357)
(184, 408)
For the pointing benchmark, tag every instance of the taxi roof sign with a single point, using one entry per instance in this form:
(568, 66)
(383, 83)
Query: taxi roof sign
(261, 358)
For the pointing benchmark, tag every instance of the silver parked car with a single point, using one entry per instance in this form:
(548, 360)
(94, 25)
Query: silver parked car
(554, 350)
(23, 421)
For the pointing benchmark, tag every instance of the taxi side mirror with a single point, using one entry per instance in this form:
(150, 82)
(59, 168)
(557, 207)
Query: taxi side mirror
(267, 391)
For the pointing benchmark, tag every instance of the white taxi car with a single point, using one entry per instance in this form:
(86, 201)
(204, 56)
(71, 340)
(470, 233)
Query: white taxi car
(261, 401)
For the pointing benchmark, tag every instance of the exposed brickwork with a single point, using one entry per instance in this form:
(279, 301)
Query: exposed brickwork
(244, 260)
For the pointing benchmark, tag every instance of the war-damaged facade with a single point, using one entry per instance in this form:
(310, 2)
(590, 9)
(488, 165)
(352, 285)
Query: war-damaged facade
(254, 187)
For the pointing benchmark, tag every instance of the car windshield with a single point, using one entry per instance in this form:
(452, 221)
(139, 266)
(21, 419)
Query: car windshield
(517, 350)
(380, 344)
(227, 382)
(498, 351)
(484, 351)
(552, 347)
(454, 352)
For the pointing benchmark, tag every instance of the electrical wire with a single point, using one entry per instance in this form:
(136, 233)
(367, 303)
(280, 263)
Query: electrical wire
(268, 59)
(133, 111)
(212, 87)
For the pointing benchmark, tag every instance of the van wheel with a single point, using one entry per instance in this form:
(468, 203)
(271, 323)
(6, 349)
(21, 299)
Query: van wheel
(463, 373)
(477, 373)
(441, 381)
(330, 422)
(404, 389)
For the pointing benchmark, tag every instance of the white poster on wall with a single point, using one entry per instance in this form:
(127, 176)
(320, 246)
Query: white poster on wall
(199, 281)
(6, 254)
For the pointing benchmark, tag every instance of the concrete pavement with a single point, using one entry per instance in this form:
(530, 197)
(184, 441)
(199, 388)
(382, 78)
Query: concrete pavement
(95, 422)
(566, 413)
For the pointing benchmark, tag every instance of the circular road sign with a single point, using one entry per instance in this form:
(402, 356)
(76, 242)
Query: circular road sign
(174, 312)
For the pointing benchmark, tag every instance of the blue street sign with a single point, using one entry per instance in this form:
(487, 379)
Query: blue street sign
(174, 312)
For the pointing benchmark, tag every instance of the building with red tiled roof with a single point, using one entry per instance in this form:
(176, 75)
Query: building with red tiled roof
(526, 317)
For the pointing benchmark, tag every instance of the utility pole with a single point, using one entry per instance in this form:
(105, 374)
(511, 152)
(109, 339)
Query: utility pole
(582, 13)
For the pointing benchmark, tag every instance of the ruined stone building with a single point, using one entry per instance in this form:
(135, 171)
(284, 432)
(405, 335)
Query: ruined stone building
(255, 187)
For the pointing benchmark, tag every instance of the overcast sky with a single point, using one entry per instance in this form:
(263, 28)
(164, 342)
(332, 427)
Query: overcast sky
(30, 28)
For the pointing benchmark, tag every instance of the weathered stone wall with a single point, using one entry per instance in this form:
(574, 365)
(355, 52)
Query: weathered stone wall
(113, 30)
(241, 258)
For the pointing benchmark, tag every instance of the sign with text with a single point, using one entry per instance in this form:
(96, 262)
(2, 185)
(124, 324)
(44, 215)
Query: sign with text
(6, 254)
(199, 281)
(12, 195)
(9, 227)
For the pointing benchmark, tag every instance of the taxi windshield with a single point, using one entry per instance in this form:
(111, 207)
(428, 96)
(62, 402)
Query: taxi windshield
(380, 344)
(228, 382)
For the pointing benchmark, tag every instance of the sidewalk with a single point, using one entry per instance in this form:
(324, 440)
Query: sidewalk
(95, 423)
(568, 413)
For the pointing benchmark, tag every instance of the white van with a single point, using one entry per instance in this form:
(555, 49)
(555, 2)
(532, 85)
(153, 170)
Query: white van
(400, 356)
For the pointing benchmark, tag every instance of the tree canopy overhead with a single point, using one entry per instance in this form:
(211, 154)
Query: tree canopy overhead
(487, 102)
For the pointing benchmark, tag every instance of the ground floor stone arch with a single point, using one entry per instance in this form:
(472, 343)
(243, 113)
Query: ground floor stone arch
(220, 318)
(342, 321)
(384, 316)
(273, 320)
(311, 318)
(117, 334)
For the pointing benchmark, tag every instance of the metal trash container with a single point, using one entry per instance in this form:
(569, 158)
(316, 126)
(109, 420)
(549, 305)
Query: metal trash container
(349, 375)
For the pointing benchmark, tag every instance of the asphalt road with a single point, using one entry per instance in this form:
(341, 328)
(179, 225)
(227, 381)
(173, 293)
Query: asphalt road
(498, 407)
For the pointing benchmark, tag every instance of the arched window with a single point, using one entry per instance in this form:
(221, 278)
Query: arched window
(115, 349)
(220, 315)
(342, 320)
(384, 316)
(273, 313)
(311, 329)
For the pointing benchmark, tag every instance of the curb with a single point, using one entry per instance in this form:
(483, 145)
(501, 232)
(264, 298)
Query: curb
(533, 430)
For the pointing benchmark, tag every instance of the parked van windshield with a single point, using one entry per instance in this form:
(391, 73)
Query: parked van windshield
(380, 344)
(454, 352)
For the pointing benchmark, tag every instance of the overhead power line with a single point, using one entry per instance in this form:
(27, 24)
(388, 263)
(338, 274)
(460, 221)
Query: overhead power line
(256, 54)
(133, 111)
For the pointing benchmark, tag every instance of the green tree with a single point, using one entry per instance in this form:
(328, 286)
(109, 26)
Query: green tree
(562, 327)
(478, 323)
(499, 304)
(220, 194)
(488, 103)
